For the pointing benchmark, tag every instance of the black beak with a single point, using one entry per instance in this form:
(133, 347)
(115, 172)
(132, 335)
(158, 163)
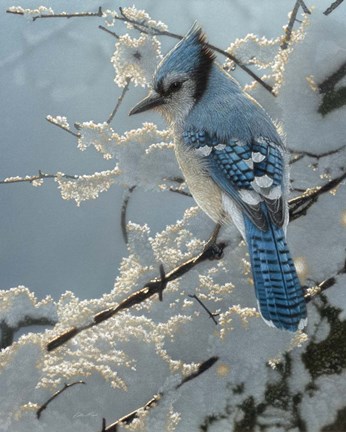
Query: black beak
(153, 100)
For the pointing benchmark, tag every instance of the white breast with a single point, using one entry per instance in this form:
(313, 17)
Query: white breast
(204, 190)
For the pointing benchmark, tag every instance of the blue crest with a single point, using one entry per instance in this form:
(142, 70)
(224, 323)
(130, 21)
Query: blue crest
(191, 56)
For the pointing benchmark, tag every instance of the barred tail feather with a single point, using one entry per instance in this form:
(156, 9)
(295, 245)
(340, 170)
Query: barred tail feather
(279, 293)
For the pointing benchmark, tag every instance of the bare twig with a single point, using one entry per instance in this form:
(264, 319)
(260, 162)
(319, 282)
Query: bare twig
(155, 286)
(55, 395)
(129, 418)
(332, 98)
(77, 135)
(109, 31)
(299, 155)
(61, 15)
(123, 213)
(329, 83)
(103, 425)
(211, 315)
(8, 332)
(304, 7)
(324, 285)
(299, 206)
(179, 191)
(332, 7)
(293, 18)
(120, 99)
(41, 176)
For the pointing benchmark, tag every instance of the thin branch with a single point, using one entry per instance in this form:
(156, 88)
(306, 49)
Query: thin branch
(8, 332)
(304, 7)
(293, 18)
(41, 176)
(155, 286)
(179, 191)
(299, 206)
(129, 418)
(55, 395)
(329, 83)
(105, 29)
(201, 369)
(77, 135)
(332, 7)
(299, 155)
(103, 425)
(123, 213)
(211, 315)
(61, 15)
(120, 99)
(324, 285)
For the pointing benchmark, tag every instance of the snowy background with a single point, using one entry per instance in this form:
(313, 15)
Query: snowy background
(263, 379)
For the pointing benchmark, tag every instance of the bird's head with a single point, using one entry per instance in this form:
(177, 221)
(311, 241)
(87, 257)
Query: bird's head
(181, 78)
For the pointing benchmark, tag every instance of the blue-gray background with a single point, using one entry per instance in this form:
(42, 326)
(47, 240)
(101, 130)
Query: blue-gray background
(62, 67)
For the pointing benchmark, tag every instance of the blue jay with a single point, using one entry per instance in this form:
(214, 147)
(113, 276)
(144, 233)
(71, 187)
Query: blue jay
(235, 165)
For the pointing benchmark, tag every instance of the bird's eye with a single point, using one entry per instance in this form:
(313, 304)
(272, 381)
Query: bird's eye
(175, 86)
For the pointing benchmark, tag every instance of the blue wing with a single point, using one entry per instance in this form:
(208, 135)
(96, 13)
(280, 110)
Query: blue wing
(249, 172)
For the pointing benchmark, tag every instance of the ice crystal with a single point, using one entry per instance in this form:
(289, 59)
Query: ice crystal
(253, 50)
(18, 303)
(136, 59)
(59, 121)
(86, 187)
(30, 13)
(142, 17)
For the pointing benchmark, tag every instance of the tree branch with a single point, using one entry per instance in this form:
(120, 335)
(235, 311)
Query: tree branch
(324, 285)
(109, 31)
(304, 7)
(123, 213)
(329, 83)
(8, 332)
(211, 315)
(129, 418)
(66, 129)
(155, 286)
(61, 15)
(41, 176)
(299, 206)
(289, 28)
(299, 155)
(120, 99)
(332, 7)
(55, 395)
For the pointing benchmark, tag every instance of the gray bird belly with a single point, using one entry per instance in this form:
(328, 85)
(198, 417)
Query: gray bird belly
(203, 189)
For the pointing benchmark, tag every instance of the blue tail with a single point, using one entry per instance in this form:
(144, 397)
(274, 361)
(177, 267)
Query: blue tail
(278, 290)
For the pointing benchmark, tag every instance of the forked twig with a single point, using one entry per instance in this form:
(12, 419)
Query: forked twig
(119, 101)
(211, 315)
(299, 206)
(55, 395)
